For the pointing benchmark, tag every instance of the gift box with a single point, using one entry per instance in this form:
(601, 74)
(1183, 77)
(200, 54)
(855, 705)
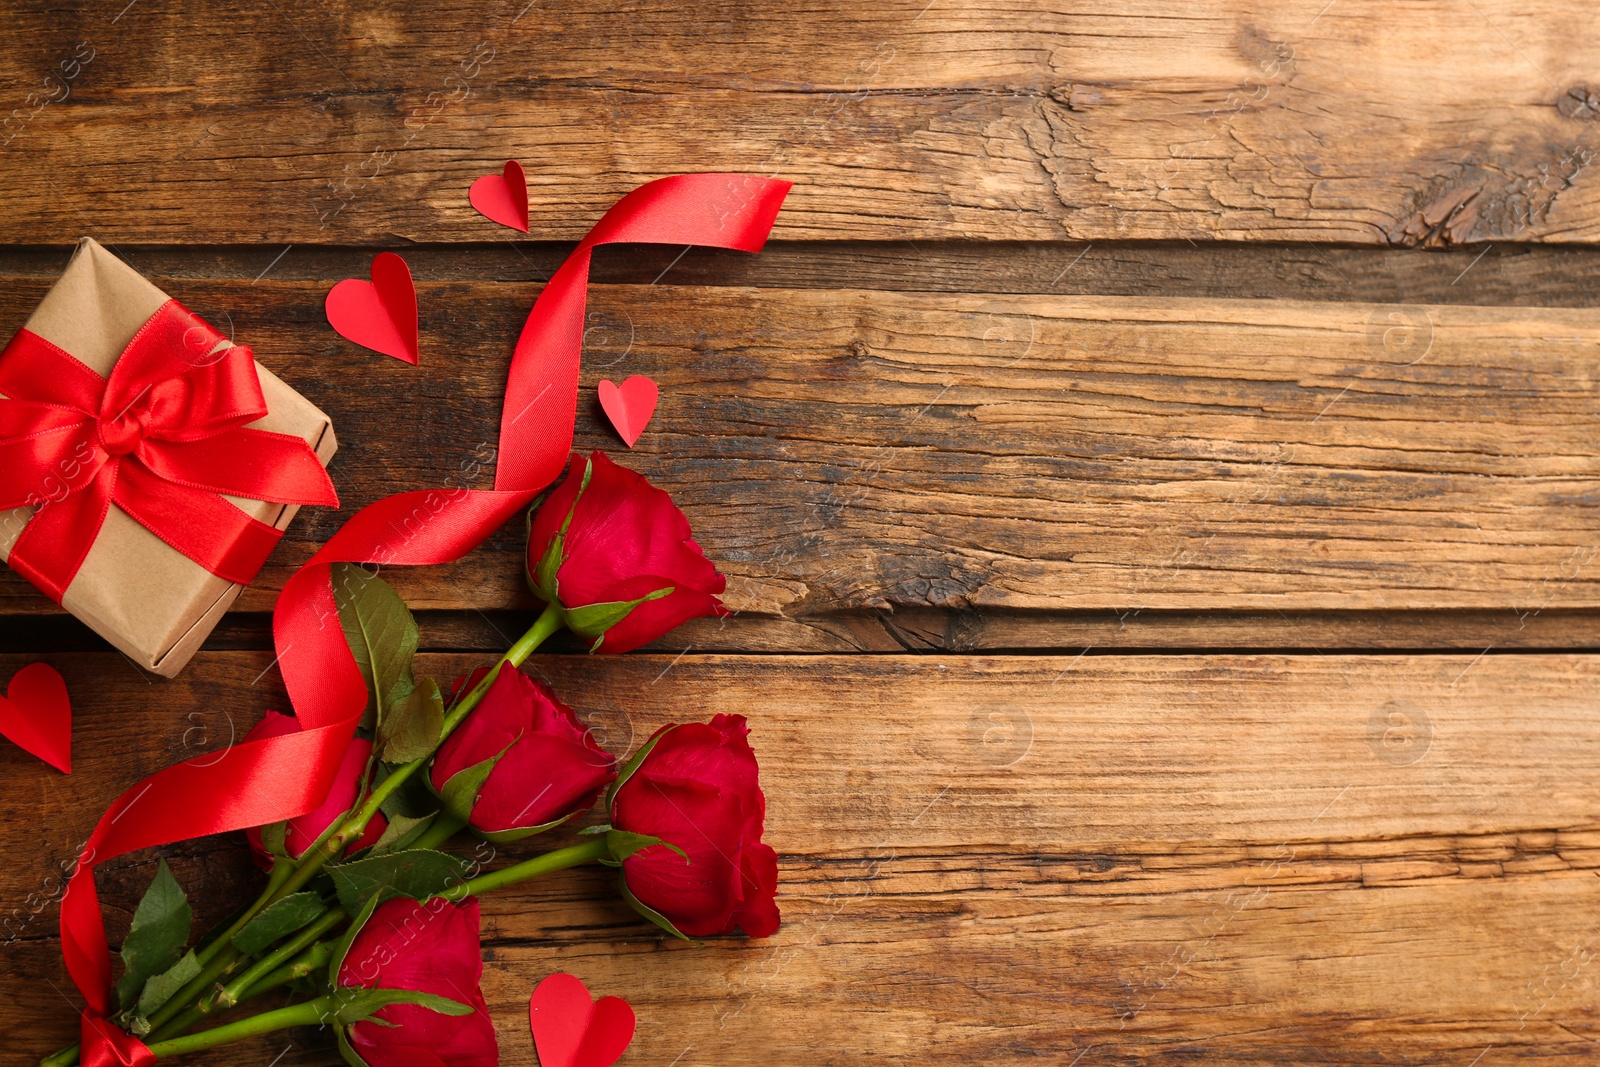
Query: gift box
(147, 465)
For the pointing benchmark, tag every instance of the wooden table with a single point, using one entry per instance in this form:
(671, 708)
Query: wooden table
(1155, 465)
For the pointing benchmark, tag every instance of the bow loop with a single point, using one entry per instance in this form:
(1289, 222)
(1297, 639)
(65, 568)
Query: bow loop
(191, 380)
(207, 400)
(248, 463)
(32, 368)
(57, 459)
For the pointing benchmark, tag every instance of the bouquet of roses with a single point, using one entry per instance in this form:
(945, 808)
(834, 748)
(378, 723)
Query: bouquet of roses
(375, 928)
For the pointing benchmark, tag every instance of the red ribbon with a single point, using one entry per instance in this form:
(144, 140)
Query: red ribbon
(264, 781)
(160, 439)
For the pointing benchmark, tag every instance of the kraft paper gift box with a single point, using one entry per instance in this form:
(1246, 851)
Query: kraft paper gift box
(139, 593)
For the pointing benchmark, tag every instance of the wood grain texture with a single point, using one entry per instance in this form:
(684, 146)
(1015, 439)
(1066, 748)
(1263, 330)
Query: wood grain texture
(855, 451)
(959, 631)
(1164, 860)
(1368, 122)
(1031, 366)
(1518, 275)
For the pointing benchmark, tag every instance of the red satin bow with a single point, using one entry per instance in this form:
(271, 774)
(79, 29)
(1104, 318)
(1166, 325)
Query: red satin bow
(160, 439)
(264, 781)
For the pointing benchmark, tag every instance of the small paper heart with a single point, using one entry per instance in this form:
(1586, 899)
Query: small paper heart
(503, 197)
(630, 405)
(570, 1030)
(380, 314)
(36, 714)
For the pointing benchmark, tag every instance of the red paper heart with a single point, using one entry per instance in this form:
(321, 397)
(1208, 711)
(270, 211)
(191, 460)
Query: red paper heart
(380, 314)
(630, 405)
(503, 197)
(37, 715)
(570, 1030)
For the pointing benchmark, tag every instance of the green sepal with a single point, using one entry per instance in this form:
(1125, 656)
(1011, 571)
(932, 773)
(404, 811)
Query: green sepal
(543, 578)
(414, 799)
(417, 873)
(593, 620)
(275, 837)
(347, 1052)
(628, 769)
(278, 919)
(652, 914)
(354, 1004)
(413, 726)
(527, 540)
(158, 935)
(624, 843)
(517, 833)
(341, 948)
(461, 791)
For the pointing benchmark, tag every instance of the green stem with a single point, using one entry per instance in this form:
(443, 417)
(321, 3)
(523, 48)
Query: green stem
(318, 955)
(224, 958)
(223, 965)
(562, 858)
(313, 959)
(549, 621)
(233, 992)
(229, 995)
(445, 826)
(281, 870)
(310, 1013)
(272, 971)
(218, 957)
(286, 877)
(65, 1057)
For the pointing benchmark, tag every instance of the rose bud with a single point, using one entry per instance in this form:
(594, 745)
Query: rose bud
(618, 556)
(696, 787)
(428, 947)
(543, 765)
(303, 830)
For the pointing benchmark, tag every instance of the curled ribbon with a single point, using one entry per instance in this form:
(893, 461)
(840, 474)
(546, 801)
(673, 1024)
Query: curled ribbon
(161, 438)
(279, 778)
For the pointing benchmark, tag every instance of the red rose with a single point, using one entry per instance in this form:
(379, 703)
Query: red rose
(619, 557)
(549, 767)
(305, 829)
(429, 947)
(698, 788)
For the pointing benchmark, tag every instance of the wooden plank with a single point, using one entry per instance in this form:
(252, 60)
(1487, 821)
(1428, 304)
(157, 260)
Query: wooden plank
(1161, 859)
(1369, 122)
(959, 630)
(859, 451)
(1526, 275)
